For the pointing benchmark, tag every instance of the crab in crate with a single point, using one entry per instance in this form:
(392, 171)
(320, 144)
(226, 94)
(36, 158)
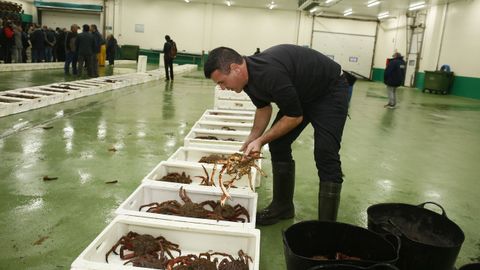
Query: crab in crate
(173, 207)
(207, 180)
(175, 177)
(203, 261)
(238, 165)
(141, 245)
(230, 263)
(228, 212)
(149, 261)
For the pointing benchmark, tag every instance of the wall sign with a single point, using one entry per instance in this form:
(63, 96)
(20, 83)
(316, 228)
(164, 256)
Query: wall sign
(353, 59)
(139, 28)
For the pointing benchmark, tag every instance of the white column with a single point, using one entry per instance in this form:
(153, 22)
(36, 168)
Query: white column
(142, 63)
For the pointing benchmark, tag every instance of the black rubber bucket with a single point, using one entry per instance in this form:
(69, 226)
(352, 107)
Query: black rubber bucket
(429, 240)
(306, 240)
(354, 267)
(470, 266)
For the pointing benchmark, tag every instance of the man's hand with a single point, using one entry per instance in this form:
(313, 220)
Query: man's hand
(254, 146)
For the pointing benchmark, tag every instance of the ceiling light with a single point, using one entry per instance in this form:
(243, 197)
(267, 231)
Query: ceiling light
(272, 5)
(383, 15)
(416, 6)
(314, 9)
(328, 1)
(373, 3)
(229, 3)
(348, 12)
(187, 1)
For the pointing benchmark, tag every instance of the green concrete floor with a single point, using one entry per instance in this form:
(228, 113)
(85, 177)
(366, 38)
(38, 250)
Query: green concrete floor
(425, 150)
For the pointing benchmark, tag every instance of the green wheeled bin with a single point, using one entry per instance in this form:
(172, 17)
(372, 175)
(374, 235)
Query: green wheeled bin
(438, 82)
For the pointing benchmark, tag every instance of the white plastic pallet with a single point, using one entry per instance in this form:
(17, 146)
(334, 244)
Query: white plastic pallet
(192, 239)
(149, 192)
(194, 154)
(25, 99)
(195, 169)
(232, 140)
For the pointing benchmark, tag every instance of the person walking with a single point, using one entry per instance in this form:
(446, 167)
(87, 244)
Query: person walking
(308, 88)
(394, 77)
(169, 53)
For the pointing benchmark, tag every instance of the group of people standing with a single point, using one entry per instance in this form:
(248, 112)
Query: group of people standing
(82, 50)
(47, 45)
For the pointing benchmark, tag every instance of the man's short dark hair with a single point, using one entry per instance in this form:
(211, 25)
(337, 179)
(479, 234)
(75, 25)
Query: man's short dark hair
(221, 58)
(86, 28)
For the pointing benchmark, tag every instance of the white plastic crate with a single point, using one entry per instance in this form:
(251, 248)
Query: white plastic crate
(149, 192)
(228, 104)
(226, 94)
(191, 238)
(228, 119)
(194, 154)
(229, 113)
(232, 140)
(195, 169)
(218, 125)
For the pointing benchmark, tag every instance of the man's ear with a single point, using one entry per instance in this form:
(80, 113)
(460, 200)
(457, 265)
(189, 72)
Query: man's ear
(235, 67)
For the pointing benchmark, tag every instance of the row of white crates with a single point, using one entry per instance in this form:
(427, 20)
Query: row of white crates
(194, 235)
(230, 100)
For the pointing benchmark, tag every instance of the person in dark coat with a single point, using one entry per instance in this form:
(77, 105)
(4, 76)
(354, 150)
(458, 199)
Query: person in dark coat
(85, 46)
(50, 42)
(111, 49)
(37, 38)
(8, 41)
(59, 52)
(70, 50)
(308, 88)
(26, 44)
(168, 57)
(96, 49)
(394, 77)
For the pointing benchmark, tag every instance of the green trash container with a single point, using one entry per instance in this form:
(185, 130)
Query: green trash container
(129, 52)
(438, 82)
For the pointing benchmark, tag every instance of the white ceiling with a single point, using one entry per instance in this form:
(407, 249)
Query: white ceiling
(395, 7)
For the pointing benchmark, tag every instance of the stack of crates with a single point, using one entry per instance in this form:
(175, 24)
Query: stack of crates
(230, 127)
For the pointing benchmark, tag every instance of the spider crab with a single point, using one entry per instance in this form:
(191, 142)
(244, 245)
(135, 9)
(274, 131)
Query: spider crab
(177, 178)
(231, 263)
(193, 262)
(142, 245)
(227, 212)
(238, 165)
(173, 207)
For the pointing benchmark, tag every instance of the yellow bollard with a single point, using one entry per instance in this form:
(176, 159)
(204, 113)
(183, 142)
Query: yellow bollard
(102, 55)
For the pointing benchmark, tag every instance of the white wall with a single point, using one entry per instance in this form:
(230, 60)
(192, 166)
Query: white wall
(60, 19)
(458, 47)
(391, 37)
(197, 26)
(461, 40)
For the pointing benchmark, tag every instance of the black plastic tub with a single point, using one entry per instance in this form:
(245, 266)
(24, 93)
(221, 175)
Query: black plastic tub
(307, 240)
(429, 240)
(354, 267)
(470, 266)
